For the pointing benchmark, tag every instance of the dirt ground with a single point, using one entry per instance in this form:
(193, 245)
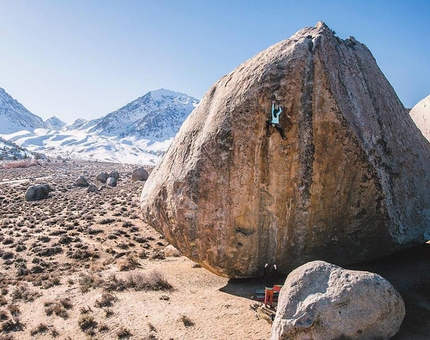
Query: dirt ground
(81, 265)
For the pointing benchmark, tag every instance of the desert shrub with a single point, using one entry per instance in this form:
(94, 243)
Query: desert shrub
(88, 282)
(3, 315)
(187, 321)
(59, 308)
(113, 283)
(23, 292)
(41, 328)
(87, 323)
(108, 312)
(154, 280)
(129, 263)
(127, 224)
(12, 325)
(103, 328)
(14, 309)
(123, 333)
(106, 300)
(44, 238)
(51, 281)
(20, 164)
(66, 303)
(86, 310)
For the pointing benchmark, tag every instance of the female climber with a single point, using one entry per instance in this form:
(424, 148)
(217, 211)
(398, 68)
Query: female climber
(276, 112)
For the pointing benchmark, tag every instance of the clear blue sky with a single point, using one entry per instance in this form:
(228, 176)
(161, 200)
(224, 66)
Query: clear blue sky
(86, 58)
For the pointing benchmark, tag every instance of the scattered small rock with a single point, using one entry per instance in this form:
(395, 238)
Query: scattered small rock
(37, 192)
(114, 174)
(139, 174)
(92, 188)
(112, 182)
(82, 182)
(102, 177)
(171, 251)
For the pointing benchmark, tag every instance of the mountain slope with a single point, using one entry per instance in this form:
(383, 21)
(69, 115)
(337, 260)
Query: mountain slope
(15, 117)
(54, 123)
(11, 151)
(157, 115)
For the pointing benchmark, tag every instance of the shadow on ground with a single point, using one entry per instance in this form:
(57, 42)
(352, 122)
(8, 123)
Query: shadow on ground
(408, 271)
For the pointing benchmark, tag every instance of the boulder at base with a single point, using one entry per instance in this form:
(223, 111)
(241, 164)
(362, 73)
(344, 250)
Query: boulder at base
(349, 183)
(322, 301)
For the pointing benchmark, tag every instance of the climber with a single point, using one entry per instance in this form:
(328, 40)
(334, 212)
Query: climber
(276, 112)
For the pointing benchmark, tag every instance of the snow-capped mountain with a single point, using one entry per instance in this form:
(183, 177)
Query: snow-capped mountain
(157, 115)
(139, 132)
(14, 116)
(54, 123)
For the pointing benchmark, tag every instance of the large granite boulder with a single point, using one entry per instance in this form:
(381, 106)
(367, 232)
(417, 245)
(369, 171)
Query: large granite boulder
(420, 114)
(322, 301)
(350, 182)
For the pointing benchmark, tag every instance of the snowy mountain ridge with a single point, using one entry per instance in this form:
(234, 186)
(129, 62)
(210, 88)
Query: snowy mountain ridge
(54, 123)
(14, 116)
(140, 132)
(157, 115)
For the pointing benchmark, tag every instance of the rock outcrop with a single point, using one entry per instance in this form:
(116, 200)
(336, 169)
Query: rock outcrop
(350, 182)
(322, 301)
(420, 114)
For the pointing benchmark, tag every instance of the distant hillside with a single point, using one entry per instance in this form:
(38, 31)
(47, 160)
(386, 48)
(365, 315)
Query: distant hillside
(11, 151)
(15, 117)
(157, 115)
(54, 123)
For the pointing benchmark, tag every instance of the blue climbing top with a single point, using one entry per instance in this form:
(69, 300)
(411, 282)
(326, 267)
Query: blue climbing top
(275, 114)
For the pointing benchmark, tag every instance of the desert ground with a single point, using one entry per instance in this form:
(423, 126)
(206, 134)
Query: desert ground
(82, 265)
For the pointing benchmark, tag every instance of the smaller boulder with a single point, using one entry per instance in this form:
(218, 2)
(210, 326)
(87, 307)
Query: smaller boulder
(92, 188)
(102, 177)
(114, 174)
(82, 182)
(112, 182)
(322, 301)
(139, 174)
(37, 192)
(171, 251)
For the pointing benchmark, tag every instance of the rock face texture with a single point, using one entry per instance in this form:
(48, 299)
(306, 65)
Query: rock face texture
(322, 301)
(420, 114)
(349, 183)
